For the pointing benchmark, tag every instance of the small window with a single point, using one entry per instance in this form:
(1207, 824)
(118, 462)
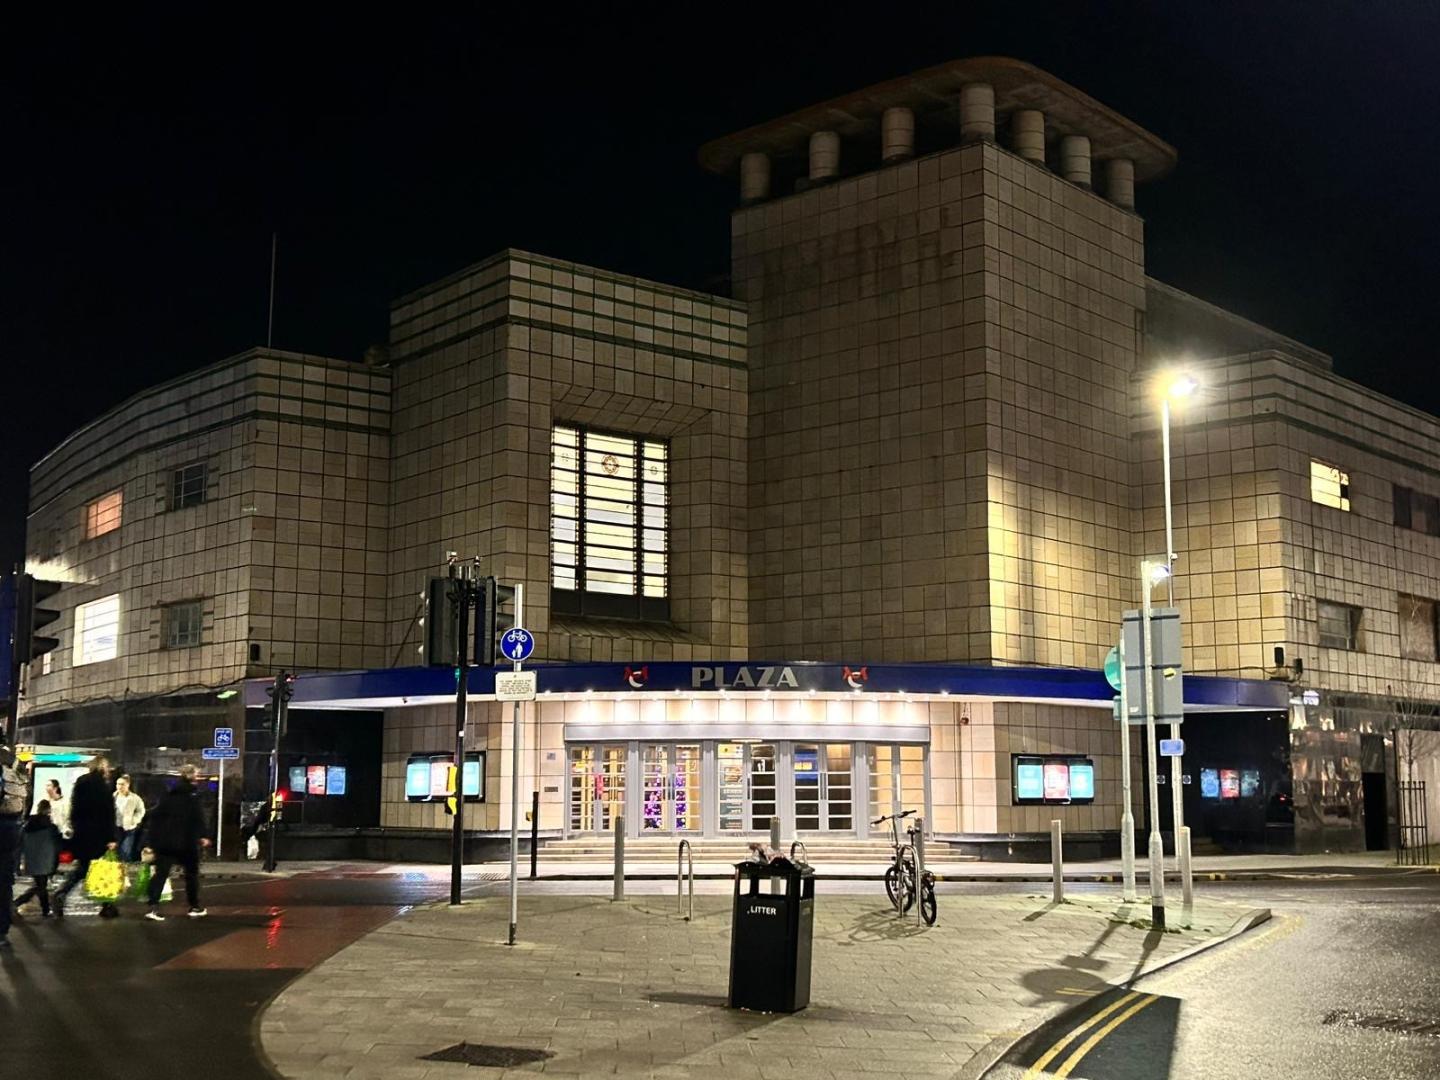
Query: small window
(47, 663)
(182, 624)
(1417, 628)
(97, 630)
(187, 486)
(1339, 625)
(1404, 502)
(103, 515)
(1329, 486)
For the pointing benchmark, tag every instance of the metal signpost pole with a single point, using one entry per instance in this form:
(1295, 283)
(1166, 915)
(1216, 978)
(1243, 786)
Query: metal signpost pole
(1182, 847)
(515, 783)
(1157, 849)
(1127, 814)
(460, 581)
(220, 812)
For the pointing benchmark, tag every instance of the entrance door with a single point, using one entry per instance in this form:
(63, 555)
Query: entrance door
(762, 802)
(671, 788)
(824, 787)
(897, 781)
(597, 787)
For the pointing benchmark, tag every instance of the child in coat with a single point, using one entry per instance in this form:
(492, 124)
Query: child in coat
(40, 841)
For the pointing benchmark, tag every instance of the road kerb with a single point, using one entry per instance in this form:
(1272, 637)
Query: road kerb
(997, 1048)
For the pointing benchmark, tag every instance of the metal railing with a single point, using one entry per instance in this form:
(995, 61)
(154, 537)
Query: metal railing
(685, 860)
(1414, 847)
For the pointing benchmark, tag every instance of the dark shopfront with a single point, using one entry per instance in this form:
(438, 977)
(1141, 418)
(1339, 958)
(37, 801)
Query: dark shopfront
(1237, 784)
(329, 767)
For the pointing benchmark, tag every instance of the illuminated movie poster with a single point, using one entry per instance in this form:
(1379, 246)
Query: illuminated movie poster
(417, 780)
(297, 778)
(1057, 780)
(1082, 781)
(1209, 784)
(1229, 784)
(315, 780)
(1249, 782)
(1029, 780)
(335, 780)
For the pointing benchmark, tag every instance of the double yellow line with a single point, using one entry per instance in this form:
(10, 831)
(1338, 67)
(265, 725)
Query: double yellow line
(1130, 1003)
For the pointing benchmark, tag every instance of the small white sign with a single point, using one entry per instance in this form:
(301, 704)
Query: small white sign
(515, 686)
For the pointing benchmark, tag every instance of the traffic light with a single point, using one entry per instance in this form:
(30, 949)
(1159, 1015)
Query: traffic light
(279, 692)
(31, 613)
(443, 597)
(494, 614)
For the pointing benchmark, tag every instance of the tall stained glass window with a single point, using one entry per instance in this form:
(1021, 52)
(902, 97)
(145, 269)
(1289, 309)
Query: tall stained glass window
(609, 504)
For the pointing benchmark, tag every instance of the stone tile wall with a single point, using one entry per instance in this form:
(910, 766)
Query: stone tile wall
(487, 360)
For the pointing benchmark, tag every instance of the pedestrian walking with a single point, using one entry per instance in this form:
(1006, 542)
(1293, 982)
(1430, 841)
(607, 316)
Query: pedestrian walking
(59, 806)
(14, 798)
(175, 829)
(129, 812)
(40, 841)
(92, 825)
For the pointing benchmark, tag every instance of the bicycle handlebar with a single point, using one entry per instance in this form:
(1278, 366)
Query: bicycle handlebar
(893, 817)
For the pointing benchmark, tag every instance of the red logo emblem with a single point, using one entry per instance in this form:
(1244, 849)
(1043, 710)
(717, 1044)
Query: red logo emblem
(637, 677)
(857, 677)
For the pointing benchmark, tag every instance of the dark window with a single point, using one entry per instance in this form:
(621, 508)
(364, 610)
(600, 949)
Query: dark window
(1403, 497)
(609, 498)
(1339, 625)
(183, 624)
(1417, 628)
(187, 486)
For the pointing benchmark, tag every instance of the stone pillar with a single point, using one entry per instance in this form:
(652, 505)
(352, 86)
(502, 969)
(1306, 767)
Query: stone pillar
(754, 177)
(1027, 134)
(897, 134)
(1120, 182)
(824, 156)
(977, 112)
(1075, 159)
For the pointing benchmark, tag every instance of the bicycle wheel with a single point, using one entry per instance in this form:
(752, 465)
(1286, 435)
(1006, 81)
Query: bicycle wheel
(892, 886)
(907, 884)
(928, 910)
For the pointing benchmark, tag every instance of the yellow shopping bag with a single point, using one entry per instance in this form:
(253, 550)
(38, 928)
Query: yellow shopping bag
(105, 880)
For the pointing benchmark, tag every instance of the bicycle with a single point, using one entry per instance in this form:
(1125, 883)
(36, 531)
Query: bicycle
(900, 877)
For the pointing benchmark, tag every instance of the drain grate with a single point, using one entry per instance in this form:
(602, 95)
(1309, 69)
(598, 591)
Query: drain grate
(496, 1057)
(1401, 1024)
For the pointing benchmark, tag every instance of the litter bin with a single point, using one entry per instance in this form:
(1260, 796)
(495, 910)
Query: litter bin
(770, 937)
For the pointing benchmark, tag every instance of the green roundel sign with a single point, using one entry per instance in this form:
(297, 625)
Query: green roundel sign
(1113, 673)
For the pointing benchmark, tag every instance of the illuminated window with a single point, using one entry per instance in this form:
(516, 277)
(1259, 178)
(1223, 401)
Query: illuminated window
(608, 523)
(47, 663)
(103, 515)
(1417, 628)
(97, 630)
(1339, 625)
(182, 624)
(1329, 486)
(187, 486)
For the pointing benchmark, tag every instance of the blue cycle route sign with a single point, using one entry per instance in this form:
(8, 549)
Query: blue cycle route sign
(224, 736)
(517, 643)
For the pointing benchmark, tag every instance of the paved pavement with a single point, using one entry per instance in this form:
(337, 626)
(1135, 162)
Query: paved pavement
(1343, 986)
(602, 988)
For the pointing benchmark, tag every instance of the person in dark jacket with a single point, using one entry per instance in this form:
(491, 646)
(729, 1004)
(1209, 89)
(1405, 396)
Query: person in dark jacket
(92, 825)
(175, 830)
(40, 841)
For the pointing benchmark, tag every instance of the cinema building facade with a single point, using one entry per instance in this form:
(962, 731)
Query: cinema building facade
(854, 538)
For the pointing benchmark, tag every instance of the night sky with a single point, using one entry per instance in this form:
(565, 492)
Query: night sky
(148, 162)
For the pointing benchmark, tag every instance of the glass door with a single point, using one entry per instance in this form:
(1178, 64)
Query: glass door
(671, 788)
(897, 781)
(824, 787)
(762, 804)
(730, 763)
(655, 787)
(597, 787)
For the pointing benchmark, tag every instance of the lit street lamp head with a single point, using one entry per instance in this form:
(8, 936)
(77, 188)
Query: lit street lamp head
(1175, 387)
(1154, 572)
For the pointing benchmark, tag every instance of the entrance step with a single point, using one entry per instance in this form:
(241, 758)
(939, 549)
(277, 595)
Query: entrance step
(664, 850)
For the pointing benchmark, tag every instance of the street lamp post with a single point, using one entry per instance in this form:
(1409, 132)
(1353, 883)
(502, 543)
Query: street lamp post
(1151, 574)
(1180, 387)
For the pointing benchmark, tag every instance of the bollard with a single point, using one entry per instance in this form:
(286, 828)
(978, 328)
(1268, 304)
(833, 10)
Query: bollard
(534, 835)
(1182, 855)
(776, 886)
(1057, 862)
(619, 858)
(919, 849)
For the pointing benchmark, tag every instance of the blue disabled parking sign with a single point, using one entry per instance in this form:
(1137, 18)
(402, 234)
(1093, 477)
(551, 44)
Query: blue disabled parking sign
(517, 643)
